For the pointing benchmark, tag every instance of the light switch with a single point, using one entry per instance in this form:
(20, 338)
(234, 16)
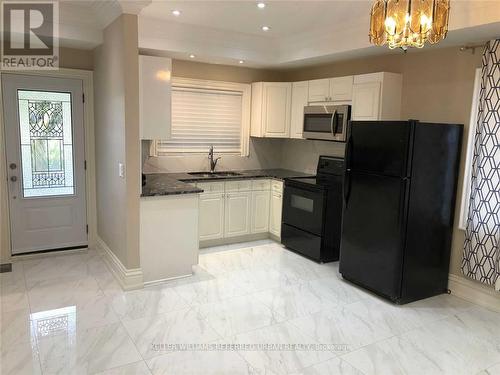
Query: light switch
(121, 170)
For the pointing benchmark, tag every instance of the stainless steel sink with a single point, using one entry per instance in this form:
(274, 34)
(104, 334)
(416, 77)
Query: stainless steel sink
(215, 174)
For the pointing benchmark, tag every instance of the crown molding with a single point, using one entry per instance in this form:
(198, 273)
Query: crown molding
(133, 6)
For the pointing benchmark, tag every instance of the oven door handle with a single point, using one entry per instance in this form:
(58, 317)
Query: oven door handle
(333, 123)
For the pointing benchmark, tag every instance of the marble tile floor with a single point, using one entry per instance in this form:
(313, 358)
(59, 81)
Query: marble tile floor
(251, 308)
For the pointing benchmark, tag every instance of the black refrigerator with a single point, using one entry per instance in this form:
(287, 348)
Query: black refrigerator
(399, 200)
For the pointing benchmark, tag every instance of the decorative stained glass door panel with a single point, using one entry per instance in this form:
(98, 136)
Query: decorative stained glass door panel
(45, 128)
(45, 162)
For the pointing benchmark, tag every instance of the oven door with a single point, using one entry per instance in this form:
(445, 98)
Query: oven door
(303, 209)
(326, 122)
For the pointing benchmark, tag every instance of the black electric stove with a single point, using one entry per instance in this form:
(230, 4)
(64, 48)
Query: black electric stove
(312, 211)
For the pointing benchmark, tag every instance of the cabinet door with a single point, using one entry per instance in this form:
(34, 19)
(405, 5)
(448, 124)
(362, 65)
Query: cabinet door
(277, 104)
(211, 216)
(260, 211)
(319, 90)
(366, 101)
(237, 214)
(275, 213)
(299, 101)
(154, 97)
(341, 88)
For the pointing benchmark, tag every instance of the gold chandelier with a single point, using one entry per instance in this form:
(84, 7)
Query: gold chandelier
(408, 23)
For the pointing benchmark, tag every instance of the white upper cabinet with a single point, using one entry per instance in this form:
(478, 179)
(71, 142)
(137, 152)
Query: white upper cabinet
(278, 107)
(319, 90)
(155, 97)
(331, 89)
(367, 98)
(377, 96)
(271, 103)
(299, 101)
(341, 88)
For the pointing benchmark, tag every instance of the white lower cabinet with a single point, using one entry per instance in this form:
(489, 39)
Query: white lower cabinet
(237, 214)
(239, 208)
(275, 213)
(211, 217)
(260, 211)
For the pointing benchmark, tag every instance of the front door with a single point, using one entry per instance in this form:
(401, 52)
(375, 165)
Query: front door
(45, 149)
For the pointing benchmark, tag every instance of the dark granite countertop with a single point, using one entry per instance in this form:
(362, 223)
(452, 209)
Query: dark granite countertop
(158, 184)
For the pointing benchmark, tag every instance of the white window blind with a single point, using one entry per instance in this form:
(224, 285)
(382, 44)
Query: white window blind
(203, 117)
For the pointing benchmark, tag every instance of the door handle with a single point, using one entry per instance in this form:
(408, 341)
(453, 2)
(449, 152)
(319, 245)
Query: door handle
(13, 178)
(334, 116)
(347, 186)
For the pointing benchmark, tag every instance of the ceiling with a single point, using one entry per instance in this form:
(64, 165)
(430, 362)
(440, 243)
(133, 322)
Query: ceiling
(301, 32)
(284, 17)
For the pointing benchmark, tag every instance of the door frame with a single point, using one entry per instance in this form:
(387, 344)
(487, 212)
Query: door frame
(88, 122)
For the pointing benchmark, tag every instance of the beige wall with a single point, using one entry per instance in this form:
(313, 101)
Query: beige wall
(263, 153)
(73, 58)
(117, 139)
(437, 86)
(228, 73)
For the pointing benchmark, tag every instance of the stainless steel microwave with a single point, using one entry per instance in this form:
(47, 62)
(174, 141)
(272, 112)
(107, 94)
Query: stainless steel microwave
(326, 122)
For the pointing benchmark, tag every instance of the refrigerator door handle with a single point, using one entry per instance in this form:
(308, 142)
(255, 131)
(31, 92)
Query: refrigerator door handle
(348, 153)
(347, 186)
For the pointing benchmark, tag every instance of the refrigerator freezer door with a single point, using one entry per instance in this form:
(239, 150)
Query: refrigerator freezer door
(379, 147)
(372, 232)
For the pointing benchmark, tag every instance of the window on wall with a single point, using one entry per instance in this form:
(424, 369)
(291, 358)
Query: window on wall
(206, 113)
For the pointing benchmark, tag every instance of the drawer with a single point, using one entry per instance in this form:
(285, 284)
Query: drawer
(277, 186)
(240, 185)
(261, 184)
(211, 187)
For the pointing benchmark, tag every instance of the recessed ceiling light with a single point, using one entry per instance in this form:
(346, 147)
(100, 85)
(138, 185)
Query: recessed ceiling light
(241, 61)
(266, 28)
(192, 56)
(261, 5)
(176, 12)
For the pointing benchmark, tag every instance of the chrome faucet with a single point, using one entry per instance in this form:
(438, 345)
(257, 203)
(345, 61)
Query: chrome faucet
(213, 163)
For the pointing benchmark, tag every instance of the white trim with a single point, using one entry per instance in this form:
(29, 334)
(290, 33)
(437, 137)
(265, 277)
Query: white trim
(21, 257)
(244, 88)
(474, 292)
(466, 183)
(163, 281)
(128, 278)
(88, 107)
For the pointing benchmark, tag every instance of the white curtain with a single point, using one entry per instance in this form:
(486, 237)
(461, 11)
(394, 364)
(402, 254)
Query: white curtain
(481, 257)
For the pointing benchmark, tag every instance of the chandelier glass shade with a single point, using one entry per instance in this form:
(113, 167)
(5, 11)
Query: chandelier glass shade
(408, 23)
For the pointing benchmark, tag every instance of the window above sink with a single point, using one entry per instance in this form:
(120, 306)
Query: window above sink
(208, 113)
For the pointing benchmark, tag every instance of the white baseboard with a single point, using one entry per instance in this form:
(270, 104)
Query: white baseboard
(233, 240)
(163, 281)
(474, 292)
(128, 278)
